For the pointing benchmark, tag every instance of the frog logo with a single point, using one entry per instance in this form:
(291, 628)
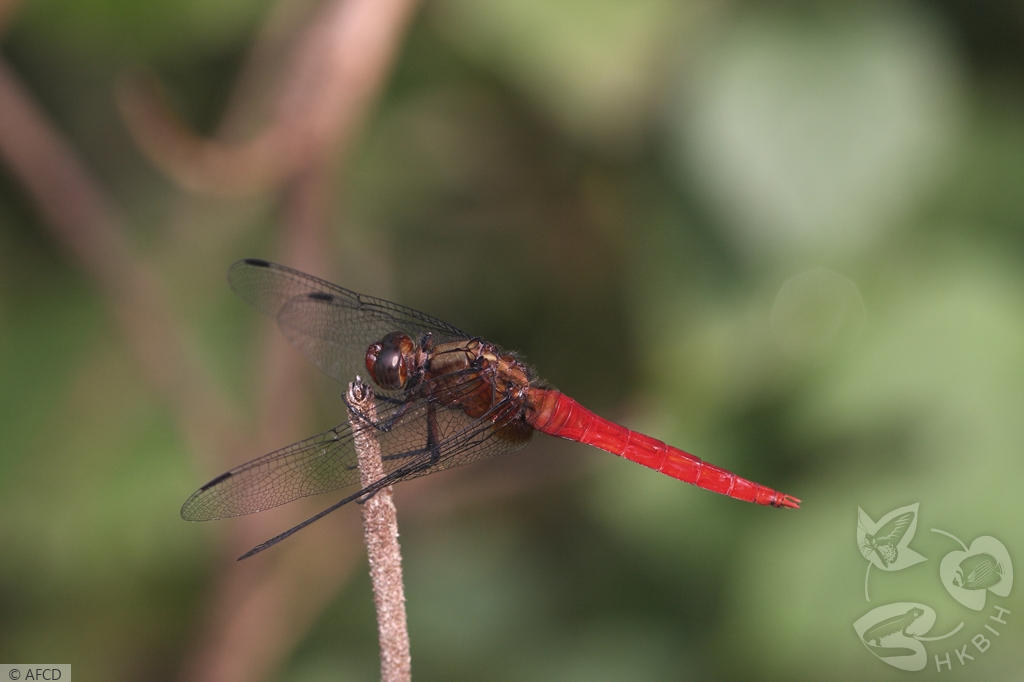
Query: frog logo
(895, 632)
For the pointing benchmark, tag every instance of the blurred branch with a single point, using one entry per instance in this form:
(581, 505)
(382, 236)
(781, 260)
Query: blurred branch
(380, 532)
(7, 8)
(334, 74)
(249, 97)
(258, 611)
(84, 222)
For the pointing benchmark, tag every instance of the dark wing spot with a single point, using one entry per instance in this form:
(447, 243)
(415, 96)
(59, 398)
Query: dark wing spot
(320, 296)
(217, 480)
(258, 262)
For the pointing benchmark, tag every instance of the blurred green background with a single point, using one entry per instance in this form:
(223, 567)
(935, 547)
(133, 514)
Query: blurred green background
(784, 237)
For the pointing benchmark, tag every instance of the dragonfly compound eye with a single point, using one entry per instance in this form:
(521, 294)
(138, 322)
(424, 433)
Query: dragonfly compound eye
(385, 361)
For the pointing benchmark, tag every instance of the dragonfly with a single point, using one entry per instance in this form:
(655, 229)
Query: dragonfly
(442, 397)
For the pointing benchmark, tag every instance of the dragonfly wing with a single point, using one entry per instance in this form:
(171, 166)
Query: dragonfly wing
(501, 433)
(317, 464)
(331, 325)
(328, 461)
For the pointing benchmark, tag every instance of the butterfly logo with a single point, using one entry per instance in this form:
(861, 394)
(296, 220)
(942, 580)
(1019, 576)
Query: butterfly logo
(886, 543)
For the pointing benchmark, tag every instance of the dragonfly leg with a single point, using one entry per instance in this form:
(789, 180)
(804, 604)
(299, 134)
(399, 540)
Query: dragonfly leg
(432, 439)
(414, 468)
(386, 425)
(383, 425)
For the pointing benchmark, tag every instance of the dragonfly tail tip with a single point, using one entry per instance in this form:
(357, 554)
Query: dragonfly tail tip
(789, 502)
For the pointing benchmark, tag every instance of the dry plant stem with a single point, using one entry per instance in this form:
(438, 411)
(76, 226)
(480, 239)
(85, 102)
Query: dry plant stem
(380, 529)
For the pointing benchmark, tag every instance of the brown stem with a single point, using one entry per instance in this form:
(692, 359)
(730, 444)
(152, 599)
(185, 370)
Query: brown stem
(380, 530)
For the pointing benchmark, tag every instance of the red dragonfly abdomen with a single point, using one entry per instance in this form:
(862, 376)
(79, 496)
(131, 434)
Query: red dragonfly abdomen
(557, 414)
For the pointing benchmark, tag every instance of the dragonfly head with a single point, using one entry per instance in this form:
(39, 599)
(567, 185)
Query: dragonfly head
(390, 361)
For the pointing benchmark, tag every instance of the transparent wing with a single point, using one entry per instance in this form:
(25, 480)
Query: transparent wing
(328, 461)
(331, 325)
